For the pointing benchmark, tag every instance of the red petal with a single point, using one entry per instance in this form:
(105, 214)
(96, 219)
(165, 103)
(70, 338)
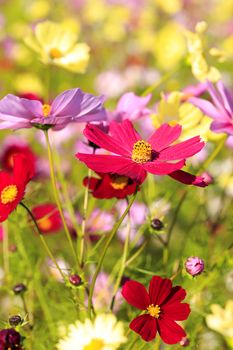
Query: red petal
(170, 332)
(146, 326)
(91, 182)
(159, 289)
(177, 294)
(124, 133)
(176, 311)
(182, 150)
(100, 138)
(162, 168)
(136, 294)
(188, 179)
(164, 136)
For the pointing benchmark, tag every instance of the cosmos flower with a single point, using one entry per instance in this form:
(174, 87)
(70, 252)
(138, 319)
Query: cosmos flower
(220, 110)
(134, 157)
(162, 304)
(194, 265)
(104, 333)
(10, 339)
(58, 46)
(110, 186)
(47, 217)
(70, 106)
(12, 186)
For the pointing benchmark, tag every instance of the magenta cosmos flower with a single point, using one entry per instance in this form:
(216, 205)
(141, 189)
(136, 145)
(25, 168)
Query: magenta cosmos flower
(220, 109)
(134, 157)
(162, 308)
(70, 106)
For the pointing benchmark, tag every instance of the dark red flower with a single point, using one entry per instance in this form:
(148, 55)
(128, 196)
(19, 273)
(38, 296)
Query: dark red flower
(10, 339)
(12, 185)
(48, 218)
(110, 186)
(13, 149)
(162, 304)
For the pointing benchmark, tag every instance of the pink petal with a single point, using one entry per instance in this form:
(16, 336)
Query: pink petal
(208, 108)
(182, 150)
(170, 332)
(124, 133)
(188, 179)
(146, 326)
(164, 136)
(136, 294)
(159, 289)
(113, 164)
(162, 168)
(100, 138)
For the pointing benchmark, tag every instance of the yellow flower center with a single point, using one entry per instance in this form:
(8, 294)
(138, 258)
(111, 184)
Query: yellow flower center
(119, 182)
(142, 152)
(55, 53)
(154, 311)
(46, 110)
(44, 224)
(173, 123)
(9, 194)
(95, 344)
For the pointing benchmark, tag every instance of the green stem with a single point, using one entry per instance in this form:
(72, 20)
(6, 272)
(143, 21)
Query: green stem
(104, 251)
(56, 194)
(157, 343)
(43, 240)
(6, 249)
(217, 150)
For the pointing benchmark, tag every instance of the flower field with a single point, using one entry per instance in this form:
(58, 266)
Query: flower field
(116, 180)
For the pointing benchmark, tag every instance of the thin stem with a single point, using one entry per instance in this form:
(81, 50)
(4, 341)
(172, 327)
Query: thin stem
(6, 249)
(43, 240)
(136, 254)
(104, 251)
(217, 150)
(157, 344)
(56, 194)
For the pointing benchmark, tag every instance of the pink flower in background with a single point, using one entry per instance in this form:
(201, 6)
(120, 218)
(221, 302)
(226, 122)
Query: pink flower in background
(134, 157)
(70, 106)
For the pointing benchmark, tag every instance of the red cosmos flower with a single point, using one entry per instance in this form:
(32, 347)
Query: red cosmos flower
(11, 150)
(12, 186)
(48, 218)
(110, 186)
(162, 304)
(134, 157)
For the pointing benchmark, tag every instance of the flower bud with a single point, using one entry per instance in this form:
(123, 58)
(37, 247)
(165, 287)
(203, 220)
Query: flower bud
(19, 288)
(75, 280)
(10, 339)
(15, 320)
(157, 224)
(208, 179)
(194, 265)
(184, 342)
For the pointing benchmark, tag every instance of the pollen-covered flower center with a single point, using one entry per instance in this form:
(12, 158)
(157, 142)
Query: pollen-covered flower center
(119, 182)
(46, 110)
(9, 194)
(142, 152)
(95, 344)
(154, 310)
(55, 53)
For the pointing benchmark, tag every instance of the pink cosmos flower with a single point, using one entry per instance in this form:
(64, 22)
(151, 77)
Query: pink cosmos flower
(134, 157)
(70, 106)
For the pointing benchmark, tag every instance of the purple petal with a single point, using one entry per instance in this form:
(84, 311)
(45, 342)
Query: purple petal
(226, 97)
(208, 108)
(133, 106)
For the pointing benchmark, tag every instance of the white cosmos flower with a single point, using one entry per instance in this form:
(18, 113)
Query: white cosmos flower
(104, 333)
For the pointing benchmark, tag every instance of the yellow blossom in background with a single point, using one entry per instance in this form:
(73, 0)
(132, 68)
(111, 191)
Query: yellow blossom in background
(169, 46)
(104, 333)
(28, 82)
(174, 110)
(221, 320)
(200, 68)
(57, 44)
(169, 6)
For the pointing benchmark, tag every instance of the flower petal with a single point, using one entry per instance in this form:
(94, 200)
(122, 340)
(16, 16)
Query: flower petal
(182, 150)
(207, 108)
(170, 332)
(124, 134)
(176, 311)
(162, 168)
(188, 179)
(145, 326)
(159, 289)
(136, 294)
(177, 294)
(164, 136)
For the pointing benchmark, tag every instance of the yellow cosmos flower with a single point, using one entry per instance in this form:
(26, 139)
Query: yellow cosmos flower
(221, 320)
(174, 110)
(105, 333)
(200, 67)
(55, 44)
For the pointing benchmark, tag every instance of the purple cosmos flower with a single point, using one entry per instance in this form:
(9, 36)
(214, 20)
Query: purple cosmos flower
(221, 108)
(70, 106)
